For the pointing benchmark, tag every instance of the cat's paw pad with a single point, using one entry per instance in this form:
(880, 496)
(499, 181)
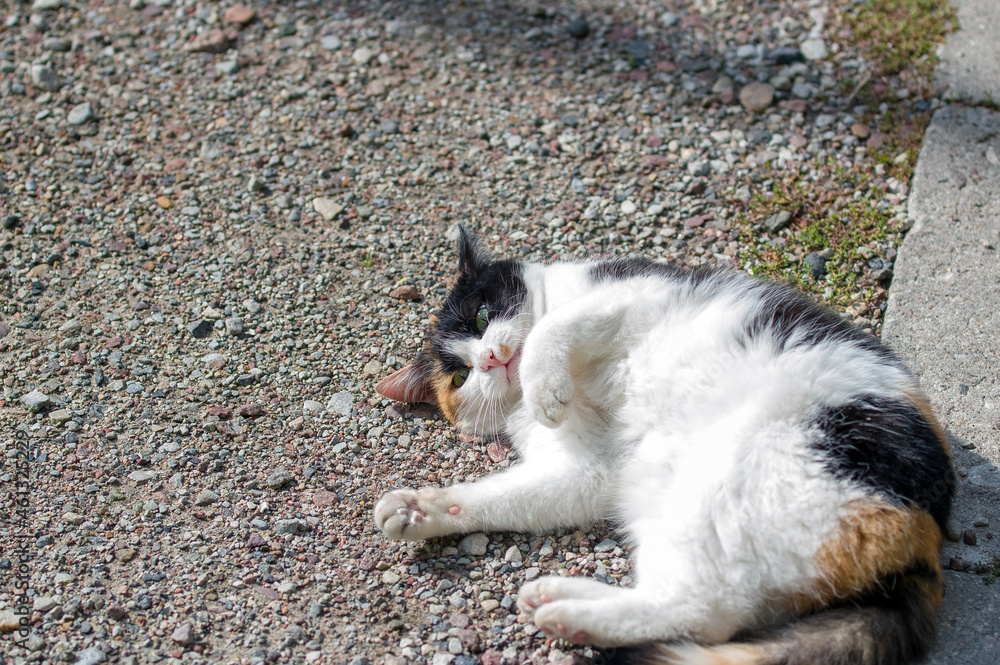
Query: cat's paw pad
(534, 594)
(548, 397)
(410, 515)
(564, 620)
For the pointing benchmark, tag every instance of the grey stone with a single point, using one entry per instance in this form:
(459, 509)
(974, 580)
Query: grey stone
(234, 325)
(816, 264)
(228, 67)
(279, 478)
(255, 184)
(803, 90)
(206, 498)
(142, 477)
(34, 642)
(43, 604)
(327, 208)
(290, 526)
(953, 529)
(183, 634)
(606, 545)
(59, 416)
(342, 403)
(331, 43)
(200, 328)
(35, 401)
(757, 96)
(90, 656)
(474, 544)
(45, 78)
(46, 5)
(970, 56)
(57, 44)
(80, 114)
(778, 221)
(363, 55)
(312, 406)
(399, 28)
(813, 48)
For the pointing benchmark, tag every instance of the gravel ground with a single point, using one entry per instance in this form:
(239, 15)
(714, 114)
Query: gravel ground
(221, 225)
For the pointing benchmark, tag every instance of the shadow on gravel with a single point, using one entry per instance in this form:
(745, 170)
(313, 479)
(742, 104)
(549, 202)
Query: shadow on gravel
(549, 37)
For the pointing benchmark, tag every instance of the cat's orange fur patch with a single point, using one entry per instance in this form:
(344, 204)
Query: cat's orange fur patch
(876, 539)
(447, 397)
(923, 404)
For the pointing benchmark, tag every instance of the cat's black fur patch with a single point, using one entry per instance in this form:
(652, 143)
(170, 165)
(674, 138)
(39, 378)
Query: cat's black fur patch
(627, 268)
(788, 315)
(784, 314)
(889, 447)
(482, 281)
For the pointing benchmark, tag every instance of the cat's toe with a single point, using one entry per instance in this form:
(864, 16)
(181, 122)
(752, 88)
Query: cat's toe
(418, 515)
(399, 515)
(532, 596)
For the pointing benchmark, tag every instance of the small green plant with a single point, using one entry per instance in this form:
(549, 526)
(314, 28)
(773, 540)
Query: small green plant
(899, 34)
(835, 219)
(992, 571)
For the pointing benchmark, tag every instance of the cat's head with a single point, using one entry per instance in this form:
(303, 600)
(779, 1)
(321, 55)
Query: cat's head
(469, 364)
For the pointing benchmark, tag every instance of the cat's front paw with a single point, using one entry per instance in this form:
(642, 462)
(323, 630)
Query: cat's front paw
(416, 515)
(548, 396)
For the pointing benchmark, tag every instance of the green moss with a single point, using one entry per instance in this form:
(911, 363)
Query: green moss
(900, 34)
(835, 219)
(837, 209)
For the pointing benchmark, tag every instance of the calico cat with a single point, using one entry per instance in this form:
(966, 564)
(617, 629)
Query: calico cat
(779, 472)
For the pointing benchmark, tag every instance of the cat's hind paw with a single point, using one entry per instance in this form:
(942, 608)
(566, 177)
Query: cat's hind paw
(566, 620)
(548, 397)
(550, 588)
(415, 515)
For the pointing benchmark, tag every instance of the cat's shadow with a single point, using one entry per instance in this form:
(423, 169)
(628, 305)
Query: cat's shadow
(976, 508)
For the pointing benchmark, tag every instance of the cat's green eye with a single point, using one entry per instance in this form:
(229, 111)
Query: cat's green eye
(459, 377)
(482, 318)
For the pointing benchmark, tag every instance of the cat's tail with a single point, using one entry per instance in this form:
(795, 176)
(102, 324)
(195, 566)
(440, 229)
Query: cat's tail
(890, 627)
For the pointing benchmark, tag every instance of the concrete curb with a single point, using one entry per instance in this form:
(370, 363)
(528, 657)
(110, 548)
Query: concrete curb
(970, 58)
(943, 316)
(944, 319)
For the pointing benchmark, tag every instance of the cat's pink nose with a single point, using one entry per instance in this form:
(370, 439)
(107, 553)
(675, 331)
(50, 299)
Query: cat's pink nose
(490, 361)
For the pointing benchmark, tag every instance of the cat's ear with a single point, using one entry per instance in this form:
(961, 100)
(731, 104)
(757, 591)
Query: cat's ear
(409, 384)
(471, 256)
